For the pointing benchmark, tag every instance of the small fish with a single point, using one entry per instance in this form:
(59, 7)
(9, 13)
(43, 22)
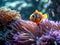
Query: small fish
(38, 16)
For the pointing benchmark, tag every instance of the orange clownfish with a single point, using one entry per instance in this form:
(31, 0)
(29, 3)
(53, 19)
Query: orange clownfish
(37, 16)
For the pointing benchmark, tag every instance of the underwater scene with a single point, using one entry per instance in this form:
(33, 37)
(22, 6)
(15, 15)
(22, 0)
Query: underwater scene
(29, 22)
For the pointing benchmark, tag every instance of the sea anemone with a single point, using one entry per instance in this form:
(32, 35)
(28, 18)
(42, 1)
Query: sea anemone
(33, 33)
(26, 31)
(23, 32)
(7, 15)
(25, 26)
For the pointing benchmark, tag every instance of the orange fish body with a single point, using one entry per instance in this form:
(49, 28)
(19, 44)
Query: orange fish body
(36, 17)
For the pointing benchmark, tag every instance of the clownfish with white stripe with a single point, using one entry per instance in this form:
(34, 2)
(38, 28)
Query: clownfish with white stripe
(38, 16)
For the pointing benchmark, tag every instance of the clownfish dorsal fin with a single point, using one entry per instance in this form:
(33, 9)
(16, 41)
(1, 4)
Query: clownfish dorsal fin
(36, 12)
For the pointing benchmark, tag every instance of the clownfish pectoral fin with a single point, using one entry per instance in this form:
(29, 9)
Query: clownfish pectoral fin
(45, 16)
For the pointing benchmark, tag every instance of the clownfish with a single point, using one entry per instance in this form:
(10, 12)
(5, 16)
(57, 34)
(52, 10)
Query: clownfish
(38, 16)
